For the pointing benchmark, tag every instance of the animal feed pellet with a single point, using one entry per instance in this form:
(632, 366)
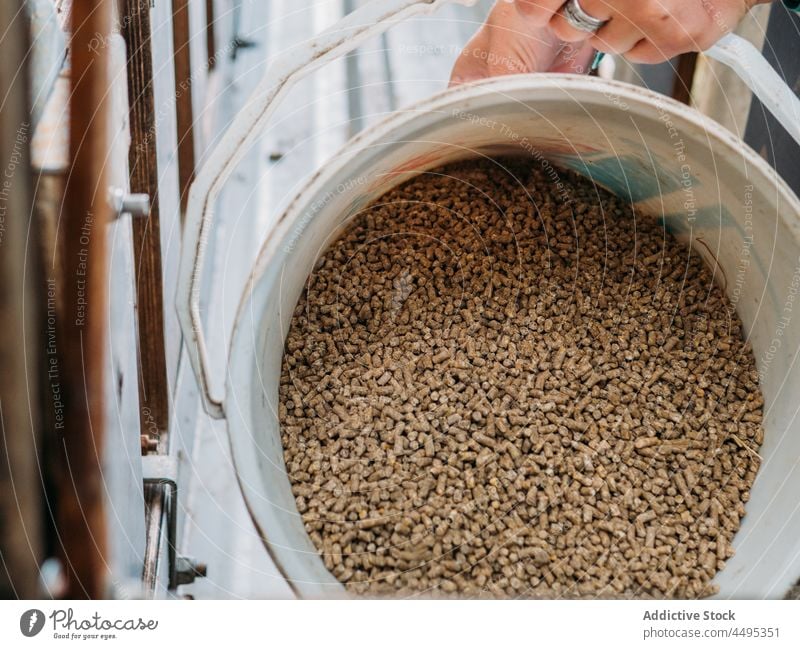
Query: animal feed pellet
(496, 387)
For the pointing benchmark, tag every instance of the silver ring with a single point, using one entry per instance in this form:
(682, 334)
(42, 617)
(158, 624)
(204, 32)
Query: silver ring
(579, 19)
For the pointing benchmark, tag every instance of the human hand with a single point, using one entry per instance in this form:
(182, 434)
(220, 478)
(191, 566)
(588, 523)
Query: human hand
(513, 42)
(644, 31)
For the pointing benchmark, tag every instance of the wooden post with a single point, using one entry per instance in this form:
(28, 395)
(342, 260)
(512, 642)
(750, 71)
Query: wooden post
(211, 47)
(181, 32)
(82, 335)
(684, 75)
(21, 359)
(153, 387)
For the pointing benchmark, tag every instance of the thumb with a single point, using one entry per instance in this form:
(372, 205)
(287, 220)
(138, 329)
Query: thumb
(471, 64)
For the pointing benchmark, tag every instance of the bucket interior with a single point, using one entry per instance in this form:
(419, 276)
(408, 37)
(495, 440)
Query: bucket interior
(709, 189)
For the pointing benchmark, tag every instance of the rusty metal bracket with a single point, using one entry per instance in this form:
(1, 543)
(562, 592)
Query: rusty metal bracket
(163, 470)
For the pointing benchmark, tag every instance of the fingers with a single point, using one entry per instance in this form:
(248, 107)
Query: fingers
(647, 52)
(505, 44)
(670, 34)
(651, 31)
(574, 59)
(539, 12)
(525, 35)
(617, 36)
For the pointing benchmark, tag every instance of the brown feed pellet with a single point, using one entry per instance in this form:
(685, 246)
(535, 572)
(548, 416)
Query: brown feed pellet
(494, 388)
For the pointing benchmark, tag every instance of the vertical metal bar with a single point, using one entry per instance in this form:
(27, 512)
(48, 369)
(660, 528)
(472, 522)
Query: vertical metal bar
(155, 503)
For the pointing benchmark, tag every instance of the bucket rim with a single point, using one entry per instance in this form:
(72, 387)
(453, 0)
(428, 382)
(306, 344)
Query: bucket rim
(505, 85)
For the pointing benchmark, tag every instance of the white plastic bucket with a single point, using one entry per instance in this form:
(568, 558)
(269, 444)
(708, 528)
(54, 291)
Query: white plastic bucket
(669, 159)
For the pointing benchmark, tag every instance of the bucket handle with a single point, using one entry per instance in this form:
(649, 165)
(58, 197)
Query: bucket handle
(766, 84)
(365, 22)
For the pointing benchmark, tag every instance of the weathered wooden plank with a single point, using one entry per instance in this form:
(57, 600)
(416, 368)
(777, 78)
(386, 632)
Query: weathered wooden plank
(184, 107)
(20, 295)
(211, 46)
(82, 512)
(144, 178)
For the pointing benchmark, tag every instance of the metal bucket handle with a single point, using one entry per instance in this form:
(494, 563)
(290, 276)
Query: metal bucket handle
(341, 38)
